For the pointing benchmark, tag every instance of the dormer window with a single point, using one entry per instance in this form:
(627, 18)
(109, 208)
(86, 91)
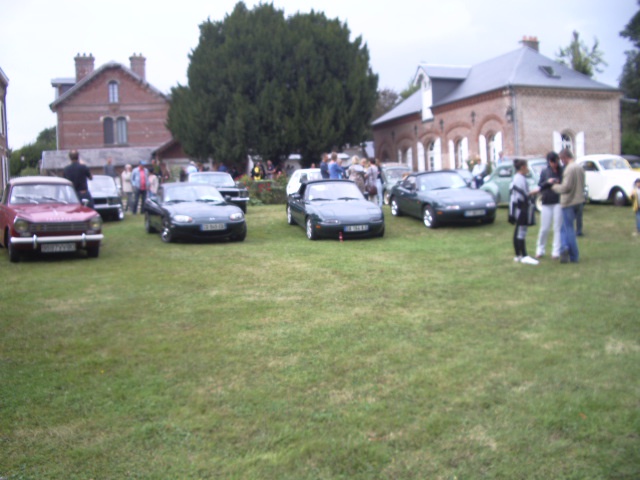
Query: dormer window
(549, 71)
(113, 92)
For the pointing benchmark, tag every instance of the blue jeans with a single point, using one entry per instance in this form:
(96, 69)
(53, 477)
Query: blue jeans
(138, 196)
(638, 220)
(569, 239)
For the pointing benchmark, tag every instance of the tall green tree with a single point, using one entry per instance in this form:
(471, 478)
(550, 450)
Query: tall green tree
(630, 85)
(579, 57)
(26, 159)
(260, 83)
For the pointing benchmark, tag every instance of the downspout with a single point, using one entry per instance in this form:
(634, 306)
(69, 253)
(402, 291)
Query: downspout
(516, 129)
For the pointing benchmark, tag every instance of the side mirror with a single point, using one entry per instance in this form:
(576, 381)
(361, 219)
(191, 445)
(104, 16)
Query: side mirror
(295, 196)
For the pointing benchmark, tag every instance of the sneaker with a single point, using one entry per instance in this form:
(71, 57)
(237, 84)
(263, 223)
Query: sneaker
(564, 256)
(517, 259)
(529, 261)
(539, 255)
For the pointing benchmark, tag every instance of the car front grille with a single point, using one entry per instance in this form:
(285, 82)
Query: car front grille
(58, 227)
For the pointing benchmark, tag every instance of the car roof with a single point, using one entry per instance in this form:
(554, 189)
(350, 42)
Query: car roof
(209, 173)
(432, 172)
(598, 157)
(39, 179)
(307, 170)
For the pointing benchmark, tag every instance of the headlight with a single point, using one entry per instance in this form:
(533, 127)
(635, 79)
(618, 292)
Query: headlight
(331, 221)
(376, 218)
(491, 204)
(95, 223)
(182, 219)
(21, 226)
(452, 207)
(236, 216)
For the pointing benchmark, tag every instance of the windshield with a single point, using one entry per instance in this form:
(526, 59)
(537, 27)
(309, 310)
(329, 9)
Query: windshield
(220, 179)
(395, 174)
(103, 185)
(440, 181)
(614, 164)
(334, 191)
(35, 194)
(310, 176)
(192, 193)
(537, 168)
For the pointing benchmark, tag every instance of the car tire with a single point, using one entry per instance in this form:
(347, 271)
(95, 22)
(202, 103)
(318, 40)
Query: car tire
(618, 198)
(147, 224)
(386, 197)
(93, 251)
(429, 217)
(311, 233)
(290, 219)
(166, 236)
(241, 237)
(14, 256)
(538, 203)
(243, 207)
(395, 210)
(381, 234)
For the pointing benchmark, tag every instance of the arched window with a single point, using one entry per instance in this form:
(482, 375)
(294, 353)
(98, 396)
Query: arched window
(121, 131)
(107, 127)
(114, 96)
(431, 156)
(461, 152)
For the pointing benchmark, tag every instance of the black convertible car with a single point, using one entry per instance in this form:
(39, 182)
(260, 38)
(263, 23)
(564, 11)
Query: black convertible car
(193, 211)
(441, 197)
(334, 208)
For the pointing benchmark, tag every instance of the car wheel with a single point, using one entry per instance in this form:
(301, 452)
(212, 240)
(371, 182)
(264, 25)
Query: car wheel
(147, 224)
(539, 203)
(290, 219)
(166, 235)
(14, 256)
(618, 198)
(241, 237)
(381, 234)
(395, 210)
(429, 217)
(243, 207)
(386, 197)
(93, 251)
(311, 233)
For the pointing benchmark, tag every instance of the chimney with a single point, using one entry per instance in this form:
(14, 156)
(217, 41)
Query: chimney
(531, 42)
(138, 65)
(84, 65)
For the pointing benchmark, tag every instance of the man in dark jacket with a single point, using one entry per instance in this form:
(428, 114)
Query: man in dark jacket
(78, 174)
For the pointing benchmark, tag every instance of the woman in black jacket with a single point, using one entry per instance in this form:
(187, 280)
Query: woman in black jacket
(551, 214)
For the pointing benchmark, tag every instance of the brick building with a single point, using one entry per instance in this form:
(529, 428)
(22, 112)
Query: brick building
(521, 103)
(4, 142)
(107, 112)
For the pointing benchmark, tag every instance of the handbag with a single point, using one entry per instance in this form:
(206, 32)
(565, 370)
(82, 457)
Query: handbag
(372, 190)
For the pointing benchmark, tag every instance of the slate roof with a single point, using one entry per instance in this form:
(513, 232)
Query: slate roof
(97, 157)
(107, 66)
(524, 67)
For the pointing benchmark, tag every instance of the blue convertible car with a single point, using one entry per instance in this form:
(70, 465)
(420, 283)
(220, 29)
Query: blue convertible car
(441, 197)
(334, 208)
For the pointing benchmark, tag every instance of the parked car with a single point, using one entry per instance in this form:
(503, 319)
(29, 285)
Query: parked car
(335, 209)
(233, 192)
(498, 182)
(193, 211)
(106, 197)
(440, 197)
(307, 174)
(466, 174)
(391, 173)
(44, 215)
(609, 178)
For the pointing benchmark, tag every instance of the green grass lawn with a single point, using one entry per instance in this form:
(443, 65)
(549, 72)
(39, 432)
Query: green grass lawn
(427, 354)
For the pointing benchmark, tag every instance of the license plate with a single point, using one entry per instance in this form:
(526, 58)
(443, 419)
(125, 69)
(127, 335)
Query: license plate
(207, 227)
(474, 213)
(58, 247)
(356, 228)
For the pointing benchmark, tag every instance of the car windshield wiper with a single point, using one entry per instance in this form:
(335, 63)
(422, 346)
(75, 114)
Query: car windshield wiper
(175, 200)
(348, 198)
(207, 200)
(25, 197)
(321, 199)
(440, 188)
(53, 199)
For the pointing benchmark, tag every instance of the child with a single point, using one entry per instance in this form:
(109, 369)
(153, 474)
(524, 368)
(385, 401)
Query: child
(635, 204)
(520, 212)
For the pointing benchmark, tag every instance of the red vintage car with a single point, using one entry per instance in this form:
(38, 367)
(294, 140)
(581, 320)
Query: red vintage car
(43, 214)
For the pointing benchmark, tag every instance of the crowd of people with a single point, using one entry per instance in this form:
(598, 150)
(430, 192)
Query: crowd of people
(363, 171)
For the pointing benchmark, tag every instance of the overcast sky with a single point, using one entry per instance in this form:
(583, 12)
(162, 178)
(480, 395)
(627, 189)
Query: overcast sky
(40, 38)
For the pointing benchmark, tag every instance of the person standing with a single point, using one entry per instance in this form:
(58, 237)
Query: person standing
(127, 188)
(140, 184)
(571, 191)
(635, 204)
(109, 169)
(324, 166)
(355, 173)
(519, 208)
(551, 211)
(78, 174)
(371, 178)
(336, 171)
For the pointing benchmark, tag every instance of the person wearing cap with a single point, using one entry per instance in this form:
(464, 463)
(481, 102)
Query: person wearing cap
(140, 184)
(78, 174)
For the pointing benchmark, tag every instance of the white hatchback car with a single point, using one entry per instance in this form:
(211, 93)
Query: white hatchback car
(294, 182)
(609, 178)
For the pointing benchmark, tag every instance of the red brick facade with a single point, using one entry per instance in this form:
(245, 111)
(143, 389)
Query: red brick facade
(119, 96)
